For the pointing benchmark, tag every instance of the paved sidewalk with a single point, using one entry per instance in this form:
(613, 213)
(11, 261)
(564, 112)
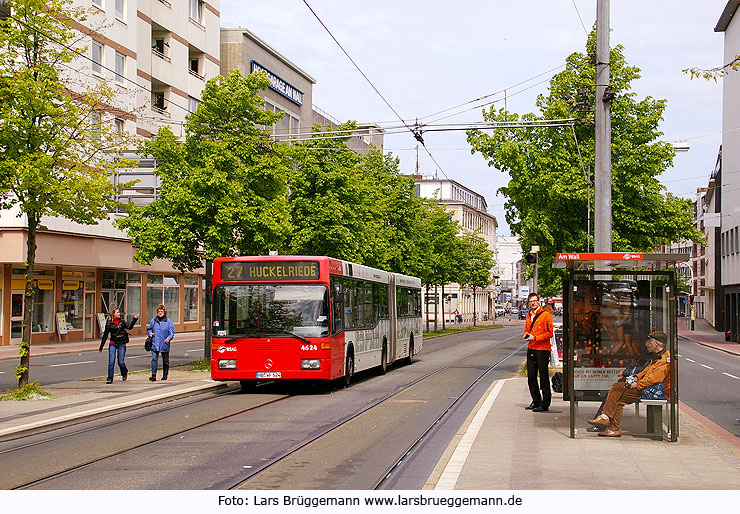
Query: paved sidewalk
(502, 446)
(706, 335)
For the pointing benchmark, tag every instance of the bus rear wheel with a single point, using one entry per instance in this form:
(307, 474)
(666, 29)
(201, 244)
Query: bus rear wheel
(349, 368)
(248, 386)
(383, 360)
(410, 358)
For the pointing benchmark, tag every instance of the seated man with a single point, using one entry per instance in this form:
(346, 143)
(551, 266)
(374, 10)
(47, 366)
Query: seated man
(624, 393)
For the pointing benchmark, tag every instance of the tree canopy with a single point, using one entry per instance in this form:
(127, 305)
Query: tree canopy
(547, 194)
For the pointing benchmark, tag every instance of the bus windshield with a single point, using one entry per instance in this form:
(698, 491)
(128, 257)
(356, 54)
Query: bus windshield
(275, 310)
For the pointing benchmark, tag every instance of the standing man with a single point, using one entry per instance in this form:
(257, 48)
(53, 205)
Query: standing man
(538, 331)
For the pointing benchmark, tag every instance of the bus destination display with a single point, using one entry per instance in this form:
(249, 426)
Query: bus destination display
(285, 270)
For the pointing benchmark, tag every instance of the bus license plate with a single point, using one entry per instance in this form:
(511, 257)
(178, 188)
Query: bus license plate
(269, 374)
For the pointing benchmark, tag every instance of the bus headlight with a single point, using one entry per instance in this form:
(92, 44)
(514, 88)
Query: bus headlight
(227, 364)
(310, 364)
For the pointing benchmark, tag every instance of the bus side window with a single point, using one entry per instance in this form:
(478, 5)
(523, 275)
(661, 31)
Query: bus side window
(338, 305)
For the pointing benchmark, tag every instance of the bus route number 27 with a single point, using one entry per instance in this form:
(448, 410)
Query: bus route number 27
(309, 347)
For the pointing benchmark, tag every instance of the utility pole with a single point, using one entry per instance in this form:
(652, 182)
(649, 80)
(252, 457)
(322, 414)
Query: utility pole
(603, 155)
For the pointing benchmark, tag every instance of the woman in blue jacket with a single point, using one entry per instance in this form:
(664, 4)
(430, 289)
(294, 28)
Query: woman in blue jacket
(162, 331)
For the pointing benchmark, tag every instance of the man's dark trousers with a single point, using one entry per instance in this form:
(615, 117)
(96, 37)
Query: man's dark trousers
(538, 361)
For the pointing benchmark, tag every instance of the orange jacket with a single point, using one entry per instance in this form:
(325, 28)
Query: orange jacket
(542, 330)
(656, 372)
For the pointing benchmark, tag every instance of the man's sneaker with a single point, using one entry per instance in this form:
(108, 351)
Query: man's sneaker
(153, 378)
(540, 408)
(124, 377)
(601, 419)
(109, 381)
(530, 406)
(164, 378)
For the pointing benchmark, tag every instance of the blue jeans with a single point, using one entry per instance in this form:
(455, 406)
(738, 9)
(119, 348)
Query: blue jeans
(116, 352)
(165, 363)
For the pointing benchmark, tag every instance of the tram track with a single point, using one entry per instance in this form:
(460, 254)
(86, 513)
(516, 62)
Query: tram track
(398, 464)
(109, 424)
(236, 482)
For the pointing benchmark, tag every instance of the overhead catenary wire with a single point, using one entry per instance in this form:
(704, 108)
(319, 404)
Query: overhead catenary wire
(415, 132)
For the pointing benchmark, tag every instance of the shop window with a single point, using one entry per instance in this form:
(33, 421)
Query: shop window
(203, 303)
(190, 305)
(72, 296)
(42, 318)
(164, 289)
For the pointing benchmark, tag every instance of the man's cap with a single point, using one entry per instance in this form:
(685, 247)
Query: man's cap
(659, 336)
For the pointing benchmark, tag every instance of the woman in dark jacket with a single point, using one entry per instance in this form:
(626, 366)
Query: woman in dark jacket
(116, 328)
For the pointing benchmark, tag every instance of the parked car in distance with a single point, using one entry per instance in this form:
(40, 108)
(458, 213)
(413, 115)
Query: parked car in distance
(523, 313)
(500, 311)
(514, 310)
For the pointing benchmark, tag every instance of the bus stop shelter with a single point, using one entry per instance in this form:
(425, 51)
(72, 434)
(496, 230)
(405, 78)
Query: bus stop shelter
(611, 302)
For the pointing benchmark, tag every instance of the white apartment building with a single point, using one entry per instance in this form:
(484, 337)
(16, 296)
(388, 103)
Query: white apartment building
(730, 167)
(157, 56)
(470, 209)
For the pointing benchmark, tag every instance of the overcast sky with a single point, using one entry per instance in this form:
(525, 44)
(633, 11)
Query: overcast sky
(425, 56)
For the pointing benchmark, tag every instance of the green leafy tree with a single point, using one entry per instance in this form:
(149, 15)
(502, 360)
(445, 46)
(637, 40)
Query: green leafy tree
(55, 153)
(547, 195)
(476, 265)
(223, 190)
(328, 199)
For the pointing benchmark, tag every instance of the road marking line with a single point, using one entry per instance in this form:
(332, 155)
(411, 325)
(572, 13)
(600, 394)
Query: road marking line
(690, 360)
(708, 367)
(731, 376)
(70, 364)
(454, 467)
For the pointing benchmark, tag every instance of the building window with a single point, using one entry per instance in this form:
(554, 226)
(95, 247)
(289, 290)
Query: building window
(97, 57)
(164, 289)
(196, 10)
(95, 120)
(158, 101)
(98, 3)
(120, 68)
(118, 124)
(190, 305)
(119, 9)
(193, 104)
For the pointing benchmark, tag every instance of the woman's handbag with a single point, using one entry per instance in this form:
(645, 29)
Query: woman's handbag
(148, 344)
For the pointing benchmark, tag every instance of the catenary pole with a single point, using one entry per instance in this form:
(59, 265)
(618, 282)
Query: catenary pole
(603, 157)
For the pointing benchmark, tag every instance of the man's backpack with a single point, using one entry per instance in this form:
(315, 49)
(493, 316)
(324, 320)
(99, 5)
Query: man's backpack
(557, 382)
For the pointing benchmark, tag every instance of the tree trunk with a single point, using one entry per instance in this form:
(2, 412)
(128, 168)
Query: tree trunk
(444, 314)
(23, 370)
(475, 316)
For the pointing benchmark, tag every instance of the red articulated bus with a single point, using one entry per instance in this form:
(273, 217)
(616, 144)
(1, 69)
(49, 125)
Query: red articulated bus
(306, 317)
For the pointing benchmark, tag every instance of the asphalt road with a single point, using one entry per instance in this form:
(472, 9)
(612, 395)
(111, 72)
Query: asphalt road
(54, 369)
(709, 382)
(215, 456)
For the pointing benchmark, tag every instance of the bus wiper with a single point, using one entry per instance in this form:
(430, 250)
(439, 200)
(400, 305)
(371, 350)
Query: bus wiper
(236, 338)
(294, 335)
